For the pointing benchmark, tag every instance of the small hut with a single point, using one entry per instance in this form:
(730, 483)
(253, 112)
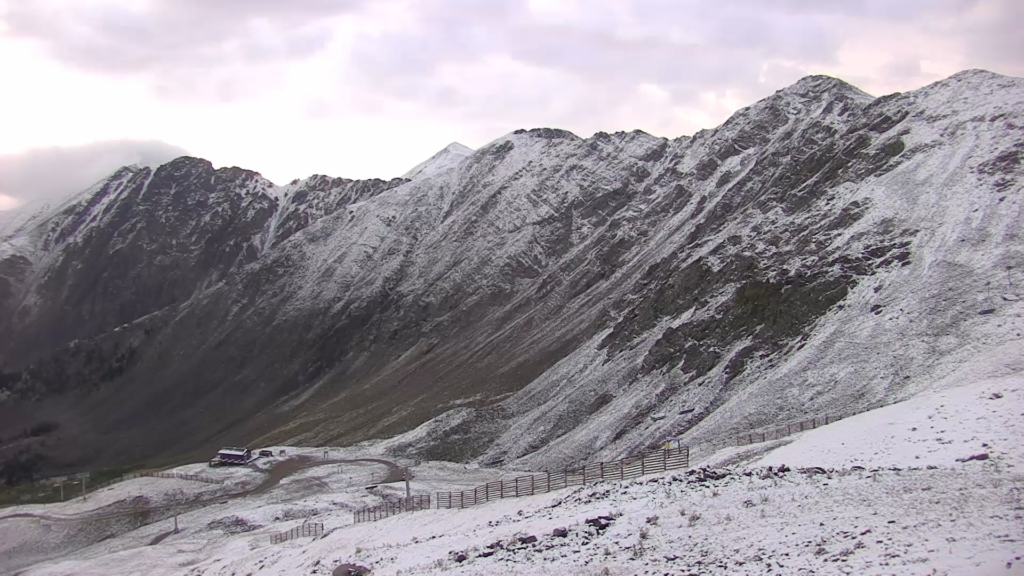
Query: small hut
(232, 457)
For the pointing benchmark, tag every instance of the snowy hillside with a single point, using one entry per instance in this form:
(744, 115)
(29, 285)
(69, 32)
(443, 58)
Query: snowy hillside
(544, 300)
(892, 491)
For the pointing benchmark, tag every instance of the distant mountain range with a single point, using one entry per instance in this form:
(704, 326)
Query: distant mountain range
(535, 301)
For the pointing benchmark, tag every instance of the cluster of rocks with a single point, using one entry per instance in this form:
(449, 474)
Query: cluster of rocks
(351, 570)
(705, 475)
(594, 527)
(232, 525)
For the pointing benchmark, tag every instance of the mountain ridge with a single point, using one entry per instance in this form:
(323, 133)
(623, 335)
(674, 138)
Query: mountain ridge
(538, 299)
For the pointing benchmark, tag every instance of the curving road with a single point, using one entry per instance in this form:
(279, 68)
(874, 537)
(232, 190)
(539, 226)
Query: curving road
(274, 477)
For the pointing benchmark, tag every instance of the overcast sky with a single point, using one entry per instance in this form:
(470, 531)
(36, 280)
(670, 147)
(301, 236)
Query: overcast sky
(369, 88)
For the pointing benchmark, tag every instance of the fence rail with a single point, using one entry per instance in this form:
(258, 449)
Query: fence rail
(795, 428)
(625, 469)
(134, 475)
(374, 513)
(307, 529)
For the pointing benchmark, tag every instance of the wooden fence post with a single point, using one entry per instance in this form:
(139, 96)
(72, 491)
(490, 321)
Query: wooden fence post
(642, 472)
(664, 460)
(622, 469)
(548, 483)
(602, 470)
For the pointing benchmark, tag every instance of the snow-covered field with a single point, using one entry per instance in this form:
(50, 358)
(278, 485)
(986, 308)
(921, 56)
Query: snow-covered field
(890, 491)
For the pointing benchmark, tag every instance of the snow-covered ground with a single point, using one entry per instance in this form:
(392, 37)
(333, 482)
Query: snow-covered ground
(890, 491)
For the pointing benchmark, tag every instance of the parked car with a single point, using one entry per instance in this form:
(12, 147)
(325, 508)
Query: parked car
(266, 453)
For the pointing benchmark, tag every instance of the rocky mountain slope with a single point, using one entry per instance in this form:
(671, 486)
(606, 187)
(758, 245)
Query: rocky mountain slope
(542, 300)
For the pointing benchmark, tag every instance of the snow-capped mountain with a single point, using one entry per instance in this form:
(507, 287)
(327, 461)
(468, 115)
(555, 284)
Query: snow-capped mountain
(449, 157)
(538, 300)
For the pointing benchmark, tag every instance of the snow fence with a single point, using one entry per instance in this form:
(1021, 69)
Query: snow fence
(625, 469)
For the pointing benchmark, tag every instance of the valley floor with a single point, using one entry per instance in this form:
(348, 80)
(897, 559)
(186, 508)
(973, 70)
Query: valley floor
(890, 491)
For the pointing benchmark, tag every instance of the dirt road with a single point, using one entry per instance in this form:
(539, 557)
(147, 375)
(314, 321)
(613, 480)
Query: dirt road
(274, 477)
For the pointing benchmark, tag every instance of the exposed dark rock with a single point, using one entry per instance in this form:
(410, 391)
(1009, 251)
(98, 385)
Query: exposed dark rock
(351, 570)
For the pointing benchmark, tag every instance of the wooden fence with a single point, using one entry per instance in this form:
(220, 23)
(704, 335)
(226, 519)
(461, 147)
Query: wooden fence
(794, 428)
(625, 469)
(134, 475)
(307, 529)
(374, 513)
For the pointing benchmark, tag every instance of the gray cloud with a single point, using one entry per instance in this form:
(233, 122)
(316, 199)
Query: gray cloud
(191, 49)
(686, 48)
(997, 38)
(570, 73)
(171, 34)
(54, 174)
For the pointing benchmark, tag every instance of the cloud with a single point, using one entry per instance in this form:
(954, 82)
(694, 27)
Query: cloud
(215, 49)
(288, 87)
(55, 174)
(8, 202)
(575, 63)
(120, 37)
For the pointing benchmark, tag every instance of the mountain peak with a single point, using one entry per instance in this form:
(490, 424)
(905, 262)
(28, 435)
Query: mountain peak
(446, 158)
(976, 74)
(818, 85)
(976, 78)
(457, 148)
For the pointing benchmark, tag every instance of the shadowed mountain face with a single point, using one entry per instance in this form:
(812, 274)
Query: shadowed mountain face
(536, 300)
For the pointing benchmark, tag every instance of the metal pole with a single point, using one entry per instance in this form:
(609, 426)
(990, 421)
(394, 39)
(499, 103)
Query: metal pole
(62, 491)
(83, 488)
